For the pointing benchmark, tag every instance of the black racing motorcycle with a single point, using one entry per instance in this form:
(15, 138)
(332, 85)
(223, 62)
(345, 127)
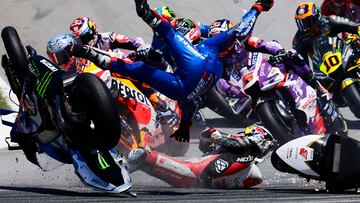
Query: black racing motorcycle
(70, 117)
(339, 65)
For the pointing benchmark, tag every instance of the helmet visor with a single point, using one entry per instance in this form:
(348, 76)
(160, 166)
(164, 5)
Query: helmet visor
(307, 24)
(60, 57)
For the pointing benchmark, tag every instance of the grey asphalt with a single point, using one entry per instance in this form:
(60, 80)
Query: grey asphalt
(36, 21)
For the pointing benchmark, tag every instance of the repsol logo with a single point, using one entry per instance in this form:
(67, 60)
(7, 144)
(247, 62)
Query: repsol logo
(127, 92)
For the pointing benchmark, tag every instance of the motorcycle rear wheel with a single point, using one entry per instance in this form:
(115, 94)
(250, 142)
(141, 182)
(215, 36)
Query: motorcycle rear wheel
(351, 95)
(90, 96)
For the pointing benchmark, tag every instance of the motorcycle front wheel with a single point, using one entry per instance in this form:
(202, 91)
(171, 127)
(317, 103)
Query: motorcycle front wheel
(91, 98)
(274, 122)
(351, 95)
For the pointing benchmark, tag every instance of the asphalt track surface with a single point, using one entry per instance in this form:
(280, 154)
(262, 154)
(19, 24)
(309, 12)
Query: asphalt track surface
(36, 21)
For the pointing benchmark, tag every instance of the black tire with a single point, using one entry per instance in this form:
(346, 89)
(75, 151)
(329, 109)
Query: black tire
(273, 122)
(216, 102)
(91, 97)
(351, 95)
(16, 52)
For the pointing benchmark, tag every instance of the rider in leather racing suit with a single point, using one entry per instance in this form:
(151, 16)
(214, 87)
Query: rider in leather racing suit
(243, 55)
(158, 42)
(343, 8)
(228, 161)
(312, 24)
(198, 68)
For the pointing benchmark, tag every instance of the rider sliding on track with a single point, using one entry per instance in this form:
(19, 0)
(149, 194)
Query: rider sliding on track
(198, 68)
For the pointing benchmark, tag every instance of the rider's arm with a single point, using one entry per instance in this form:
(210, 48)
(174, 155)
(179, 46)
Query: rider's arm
(255, 44)
(124, 42)
(237, 143)
(333, 25)
(300, 48)
(229, 90)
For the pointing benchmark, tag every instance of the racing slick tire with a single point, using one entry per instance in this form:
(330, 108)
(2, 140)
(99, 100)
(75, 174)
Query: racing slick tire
(18, 70)
(90, 96)
(351, 95)
(217, 103)
(273, 121)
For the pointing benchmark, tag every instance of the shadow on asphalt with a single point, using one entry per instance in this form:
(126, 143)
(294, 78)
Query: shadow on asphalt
(307, 191)
(224, 123)
(60, 192)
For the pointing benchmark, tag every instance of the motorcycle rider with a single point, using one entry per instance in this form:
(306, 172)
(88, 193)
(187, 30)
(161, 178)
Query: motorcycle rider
(157, 41)
(228, 160)
(312, 24)
(36, 129)
(84, 28)
(243, 55)
(343, 8)
(198, 68)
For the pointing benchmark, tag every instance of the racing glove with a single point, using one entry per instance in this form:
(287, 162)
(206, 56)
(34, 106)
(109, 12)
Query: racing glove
(182, 134)
(280, 57)
(263, 5)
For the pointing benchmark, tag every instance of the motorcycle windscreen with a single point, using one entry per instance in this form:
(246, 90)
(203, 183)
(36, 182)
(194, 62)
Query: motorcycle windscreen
(300, 156)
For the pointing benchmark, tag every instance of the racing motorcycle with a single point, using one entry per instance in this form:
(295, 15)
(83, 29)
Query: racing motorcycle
(69, 118)
(143, 125)
(339, 64)
(325, 158)
(283, 102)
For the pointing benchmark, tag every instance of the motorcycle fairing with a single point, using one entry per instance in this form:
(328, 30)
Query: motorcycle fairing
(298, 153)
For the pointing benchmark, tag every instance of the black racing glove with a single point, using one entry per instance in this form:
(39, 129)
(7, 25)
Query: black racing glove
(77, 50)
(280, 57)
(263, 5)
(182, 134)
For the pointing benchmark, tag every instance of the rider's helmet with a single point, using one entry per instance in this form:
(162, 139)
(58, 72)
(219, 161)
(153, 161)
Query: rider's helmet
(335, 7)
(220, 26)
(166, 12)
(57, 51)
(83, 28)
(189, 28)
(307, 17)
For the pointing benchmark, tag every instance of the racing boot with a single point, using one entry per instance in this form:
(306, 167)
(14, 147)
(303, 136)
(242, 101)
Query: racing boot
(100, 170)
(143, 11)
(334, 121)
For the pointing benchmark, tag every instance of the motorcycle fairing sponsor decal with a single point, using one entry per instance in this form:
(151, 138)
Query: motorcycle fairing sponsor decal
(127, 92)
(268, 80)
(308, 104)
(202, 86)
(221, 165)
(296, 154)
(306, 153)
(172, 165)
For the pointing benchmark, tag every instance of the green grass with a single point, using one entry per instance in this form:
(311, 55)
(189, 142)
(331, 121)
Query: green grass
(3, 102)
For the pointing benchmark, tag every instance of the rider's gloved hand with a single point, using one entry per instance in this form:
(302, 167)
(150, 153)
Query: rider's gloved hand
(280, 57)
(77, 50)
(142, 52)
(206, 141)
(182, 134)
(263, 5)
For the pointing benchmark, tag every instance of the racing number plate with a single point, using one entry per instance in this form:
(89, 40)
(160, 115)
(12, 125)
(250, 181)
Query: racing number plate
(331, 62)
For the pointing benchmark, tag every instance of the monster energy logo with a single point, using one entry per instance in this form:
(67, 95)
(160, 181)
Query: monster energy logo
(44, 83)
(102, 162)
